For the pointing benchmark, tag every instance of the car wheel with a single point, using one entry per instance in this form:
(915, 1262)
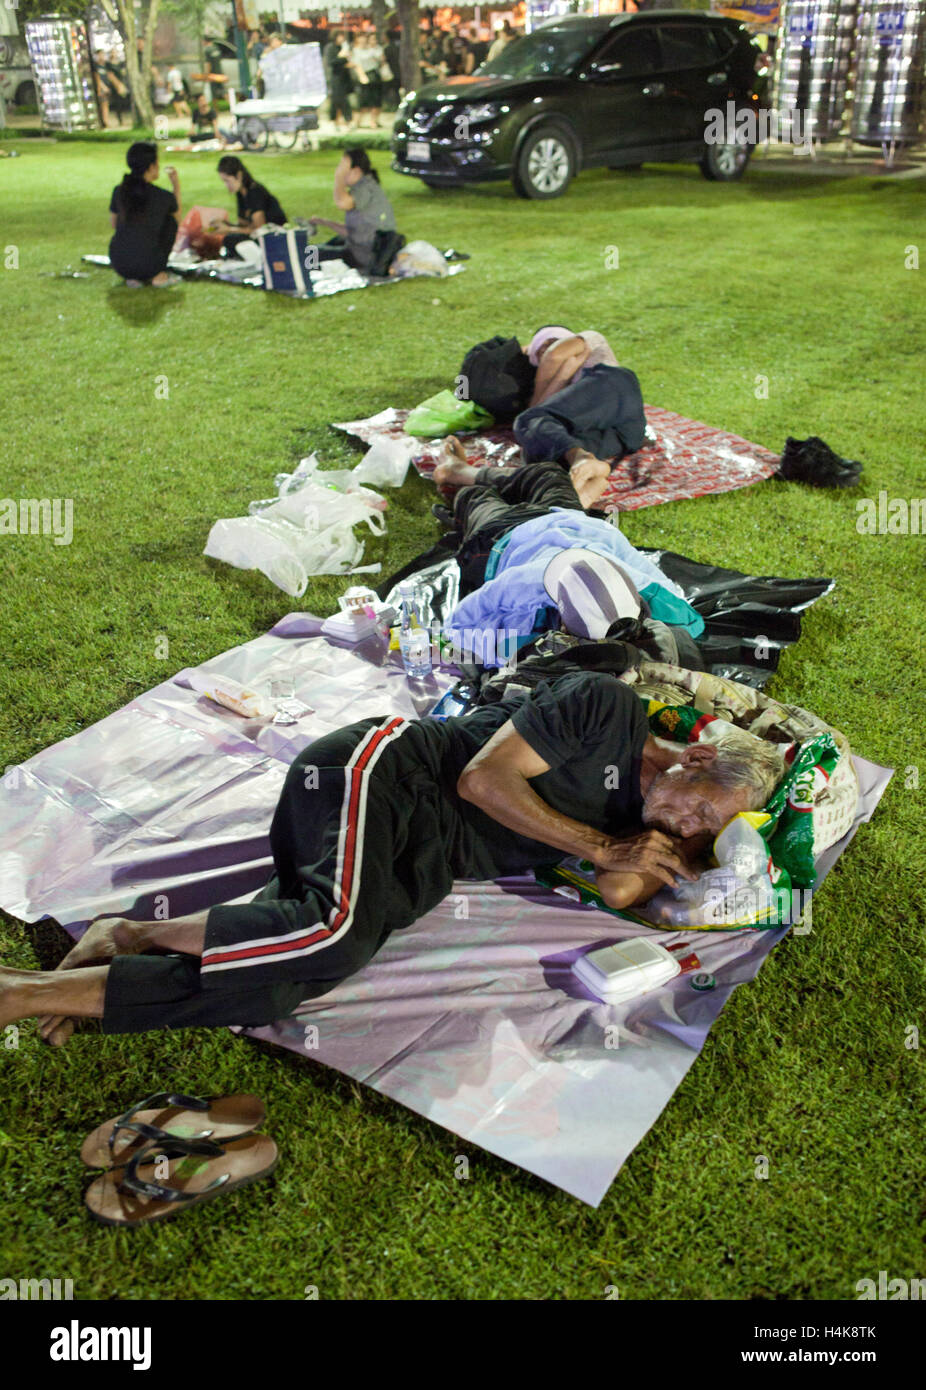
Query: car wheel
(25, 94)
(546, 164)
(724, 163)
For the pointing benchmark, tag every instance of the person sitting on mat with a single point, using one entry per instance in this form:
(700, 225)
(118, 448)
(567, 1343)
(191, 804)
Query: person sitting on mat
(366, 209)
(257, 206)
(531, 558)
(205, 121)
(144, 219)
(375, 822)
(586, 410)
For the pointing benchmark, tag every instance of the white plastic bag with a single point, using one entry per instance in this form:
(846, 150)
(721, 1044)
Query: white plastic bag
(738, 893)
(419, 258)
(307, 529)
(249, 251)
(385, 463)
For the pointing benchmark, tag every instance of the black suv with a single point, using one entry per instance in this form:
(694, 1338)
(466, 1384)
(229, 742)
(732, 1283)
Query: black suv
(581, 91)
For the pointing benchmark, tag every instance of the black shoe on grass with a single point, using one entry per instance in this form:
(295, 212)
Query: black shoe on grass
(813, 461)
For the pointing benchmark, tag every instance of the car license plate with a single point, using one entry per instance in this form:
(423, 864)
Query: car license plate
(419, 149)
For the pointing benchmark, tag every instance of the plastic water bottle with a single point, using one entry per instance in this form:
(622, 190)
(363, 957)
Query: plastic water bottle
(414, 640)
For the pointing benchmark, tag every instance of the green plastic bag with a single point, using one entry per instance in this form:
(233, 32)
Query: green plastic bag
(791, 807)
(446, 414)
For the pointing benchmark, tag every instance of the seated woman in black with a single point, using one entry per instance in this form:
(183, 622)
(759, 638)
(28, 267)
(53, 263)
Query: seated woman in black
(144, 219)
(205, 121)
(257, 206)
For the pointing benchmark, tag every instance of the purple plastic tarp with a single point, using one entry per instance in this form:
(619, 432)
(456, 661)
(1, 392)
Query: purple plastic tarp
(471, 1017)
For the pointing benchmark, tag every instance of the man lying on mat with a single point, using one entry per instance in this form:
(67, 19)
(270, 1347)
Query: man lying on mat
(530, 558)
(567, 397)
(374, 823)
(586, 410)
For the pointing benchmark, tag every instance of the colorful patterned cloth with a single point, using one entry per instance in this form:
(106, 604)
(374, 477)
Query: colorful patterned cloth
(686, 459)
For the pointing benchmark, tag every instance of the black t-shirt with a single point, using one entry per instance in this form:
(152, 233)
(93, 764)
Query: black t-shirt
(160, 204)
(480, 51)
(204, 117)
(588, 726)
(257, 198)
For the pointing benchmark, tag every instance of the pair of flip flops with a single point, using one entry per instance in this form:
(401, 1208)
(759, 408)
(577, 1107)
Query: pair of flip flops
(171, 1152)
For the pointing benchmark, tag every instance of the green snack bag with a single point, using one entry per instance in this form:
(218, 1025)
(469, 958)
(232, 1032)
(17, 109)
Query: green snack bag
(446, 414)
(791, 806)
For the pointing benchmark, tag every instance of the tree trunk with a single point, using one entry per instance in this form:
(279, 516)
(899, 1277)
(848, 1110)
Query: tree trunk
(138, 75)
(409, 48)
(378, 8)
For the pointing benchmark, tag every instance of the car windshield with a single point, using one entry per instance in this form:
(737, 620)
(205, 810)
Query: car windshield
(543, 53)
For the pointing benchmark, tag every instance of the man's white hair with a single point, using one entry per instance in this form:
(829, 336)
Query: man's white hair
(746, 763)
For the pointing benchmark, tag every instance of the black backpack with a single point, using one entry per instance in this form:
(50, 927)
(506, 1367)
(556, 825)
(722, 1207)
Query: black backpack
(386, 246)
(498, 376)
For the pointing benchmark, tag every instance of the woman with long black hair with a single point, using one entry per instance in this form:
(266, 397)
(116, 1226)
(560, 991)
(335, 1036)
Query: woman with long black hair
(257, 206)
(144, 219)
(366, 209)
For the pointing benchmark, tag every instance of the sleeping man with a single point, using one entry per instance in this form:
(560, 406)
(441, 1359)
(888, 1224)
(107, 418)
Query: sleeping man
(585, 411)
(374, 823)
(532, 558)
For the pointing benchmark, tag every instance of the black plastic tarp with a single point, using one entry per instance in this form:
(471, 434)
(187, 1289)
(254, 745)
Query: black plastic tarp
(748, 619)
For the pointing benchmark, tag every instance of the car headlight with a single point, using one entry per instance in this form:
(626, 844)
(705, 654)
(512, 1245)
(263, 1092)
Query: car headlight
(479, 111)
(407, 101)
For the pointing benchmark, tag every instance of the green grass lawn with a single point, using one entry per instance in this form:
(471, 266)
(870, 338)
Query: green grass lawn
(793, 278)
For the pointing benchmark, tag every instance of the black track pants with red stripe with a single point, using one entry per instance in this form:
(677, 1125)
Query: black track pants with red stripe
(360, 848)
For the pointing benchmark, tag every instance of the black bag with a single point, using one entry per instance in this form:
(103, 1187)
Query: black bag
(559, 654)
(499, 377)
(386, 246)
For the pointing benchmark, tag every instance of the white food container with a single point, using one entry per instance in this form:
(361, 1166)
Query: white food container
(626, 968)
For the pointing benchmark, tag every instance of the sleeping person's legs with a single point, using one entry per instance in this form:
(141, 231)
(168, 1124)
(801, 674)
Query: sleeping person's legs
(597, 418)
(497, 500)
(357, 854)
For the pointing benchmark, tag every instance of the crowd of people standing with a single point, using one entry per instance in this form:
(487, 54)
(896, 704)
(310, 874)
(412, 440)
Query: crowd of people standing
(364, 75)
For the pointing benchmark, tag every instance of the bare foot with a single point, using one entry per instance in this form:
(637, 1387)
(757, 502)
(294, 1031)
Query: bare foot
(454, 472)
(103, 939)
(54, 1029)
(589, 477)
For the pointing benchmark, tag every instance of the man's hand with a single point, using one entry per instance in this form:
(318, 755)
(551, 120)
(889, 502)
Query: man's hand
(652, 855)
(174, 177)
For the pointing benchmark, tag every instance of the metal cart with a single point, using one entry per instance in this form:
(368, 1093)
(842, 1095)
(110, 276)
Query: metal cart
(294, 88)
(257, 120)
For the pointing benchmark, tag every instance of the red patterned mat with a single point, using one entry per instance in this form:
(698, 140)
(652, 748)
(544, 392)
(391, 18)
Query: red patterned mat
(686, 459)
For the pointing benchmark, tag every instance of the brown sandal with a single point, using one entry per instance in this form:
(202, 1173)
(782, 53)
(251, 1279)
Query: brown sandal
(197, 1171)
(166, 1116)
